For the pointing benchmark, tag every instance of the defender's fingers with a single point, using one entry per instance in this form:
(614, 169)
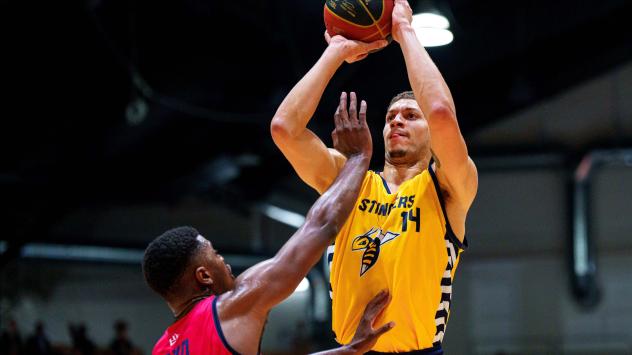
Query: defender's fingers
(337, 120)
(362, 112)
(344, 115)
(353, 108)
(379, 298)
(385, 328)
(344, 110)
(381, 305)
(377, 305)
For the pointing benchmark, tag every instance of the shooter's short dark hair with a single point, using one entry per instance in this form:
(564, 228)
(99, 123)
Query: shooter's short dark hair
(402, 96)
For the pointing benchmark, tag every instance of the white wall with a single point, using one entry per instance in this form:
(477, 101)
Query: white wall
(512, 289)
(524, 306)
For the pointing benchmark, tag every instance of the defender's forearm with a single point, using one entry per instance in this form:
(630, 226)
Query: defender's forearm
(322, 224)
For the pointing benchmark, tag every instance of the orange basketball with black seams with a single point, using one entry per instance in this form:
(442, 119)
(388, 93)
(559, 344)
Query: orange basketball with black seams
(360, 20)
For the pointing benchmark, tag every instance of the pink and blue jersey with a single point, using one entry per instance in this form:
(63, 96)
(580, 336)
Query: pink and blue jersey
(197, 333)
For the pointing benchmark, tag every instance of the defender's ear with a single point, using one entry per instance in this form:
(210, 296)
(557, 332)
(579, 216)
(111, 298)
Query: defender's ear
(204, 278)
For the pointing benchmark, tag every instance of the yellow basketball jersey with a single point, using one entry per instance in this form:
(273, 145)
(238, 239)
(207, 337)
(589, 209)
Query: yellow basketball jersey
(402, 242)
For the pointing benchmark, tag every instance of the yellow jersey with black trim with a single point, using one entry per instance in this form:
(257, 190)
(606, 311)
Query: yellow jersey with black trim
(402, 242)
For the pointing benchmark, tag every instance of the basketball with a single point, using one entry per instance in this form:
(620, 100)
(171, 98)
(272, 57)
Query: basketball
(360, 20)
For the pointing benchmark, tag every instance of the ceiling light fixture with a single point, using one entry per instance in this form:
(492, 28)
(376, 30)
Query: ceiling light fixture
(431, 27)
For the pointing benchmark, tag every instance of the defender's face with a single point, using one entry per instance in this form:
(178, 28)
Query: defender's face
(406, 133)
(222, 274)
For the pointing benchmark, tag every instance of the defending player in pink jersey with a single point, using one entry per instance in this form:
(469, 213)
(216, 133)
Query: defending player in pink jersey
(216, 313)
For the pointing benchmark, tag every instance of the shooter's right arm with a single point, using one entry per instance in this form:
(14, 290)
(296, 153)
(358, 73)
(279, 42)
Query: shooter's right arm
(315, 164)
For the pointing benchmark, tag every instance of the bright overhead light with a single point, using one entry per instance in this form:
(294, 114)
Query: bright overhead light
(432, 30)
(284, 216)
(431, 20)
(434, 37)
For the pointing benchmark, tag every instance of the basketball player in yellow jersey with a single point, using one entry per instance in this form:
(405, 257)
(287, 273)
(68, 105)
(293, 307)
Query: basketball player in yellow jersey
(407, 229)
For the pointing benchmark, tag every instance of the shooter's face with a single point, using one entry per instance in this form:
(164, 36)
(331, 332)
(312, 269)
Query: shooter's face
(406, 133)
(220, 273)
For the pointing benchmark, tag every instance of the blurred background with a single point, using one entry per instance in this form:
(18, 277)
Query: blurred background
(121, 119)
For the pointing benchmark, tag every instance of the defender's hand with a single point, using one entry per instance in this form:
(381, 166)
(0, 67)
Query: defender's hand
(402, 18)
(353, 51)
(366, 336)
(351, 135)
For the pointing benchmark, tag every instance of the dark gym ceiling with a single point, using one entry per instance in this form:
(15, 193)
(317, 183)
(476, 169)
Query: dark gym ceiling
(122, 102)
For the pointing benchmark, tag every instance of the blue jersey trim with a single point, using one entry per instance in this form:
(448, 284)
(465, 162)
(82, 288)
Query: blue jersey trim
(449, 232)
(388, 191)
(218, 327)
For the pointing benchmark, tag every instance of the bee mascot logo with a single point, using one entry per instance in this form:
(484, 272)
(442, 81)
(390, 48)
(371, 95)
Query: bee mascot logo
(371, 242)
